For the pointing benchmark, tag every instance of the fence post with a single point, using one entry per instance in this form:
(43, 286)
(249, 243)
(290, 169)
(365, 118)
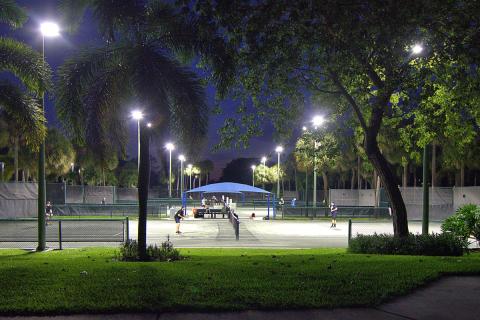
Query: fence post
(60, 234)
(349, 231)
(127, 228)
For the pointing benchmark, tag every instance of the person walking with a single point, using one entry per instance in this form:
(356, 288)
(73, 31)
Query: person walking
(180, 215)
(333, 213)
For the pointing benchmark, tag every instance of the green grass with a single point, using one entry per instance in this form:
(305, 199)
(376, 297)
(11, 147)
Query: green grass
(211, 279)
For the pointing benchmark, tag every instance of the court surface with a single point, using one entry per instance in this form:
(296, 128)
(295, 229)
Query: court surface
(200, 233)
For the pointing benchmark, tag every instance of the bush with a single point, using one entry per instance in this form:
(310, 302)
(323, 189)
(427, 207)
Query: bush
(166, 252)
(444, 244)
(465, 223)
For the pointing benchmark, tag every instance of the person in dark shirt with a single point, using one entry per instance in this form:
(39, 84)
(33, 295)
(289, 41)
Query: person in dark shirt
(179, 216)
(333, 213)
(48, 212)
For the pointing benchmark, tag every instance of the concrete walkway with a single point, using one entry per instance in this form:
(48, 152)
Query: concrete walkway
(449, 298)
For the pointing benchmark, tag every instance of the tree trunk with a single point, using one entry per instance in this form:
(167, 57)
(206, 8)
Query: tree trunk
(352, 182)
(405, 175)
(28, 174)
(414, 177)
(389, 180)
(359, 176)
(306, 188)
(434, 165)
(143, 183)
(15, 158)
(208, 176)
(374, 179)
(462, 174)
(325, 187)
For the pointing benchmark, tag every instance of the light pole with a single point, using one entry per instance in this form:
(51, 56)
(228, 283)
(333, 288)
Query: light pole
(182, 159)
(190, 166)
(416, 50)
(278, 150)
(137, 115)
(49, 30)
(317, 121)
(170, 146)
(253, 175)
(264, 160)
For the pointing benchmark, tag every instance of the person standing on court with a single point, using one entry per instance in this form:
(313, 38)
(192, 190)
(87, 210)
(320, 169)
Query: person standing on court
(179, 216)
(333, 213)
(48, 212)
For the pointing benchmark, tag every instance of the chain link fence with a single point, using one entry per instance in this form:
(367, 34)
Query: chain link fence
(23, 233)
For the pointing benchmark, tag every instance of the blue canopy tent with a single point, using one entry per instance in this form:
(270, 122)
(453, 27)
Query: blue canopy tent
(232, 187)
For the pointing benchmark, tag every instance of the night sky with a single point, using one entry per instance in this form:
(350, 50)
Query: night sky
(58, 49)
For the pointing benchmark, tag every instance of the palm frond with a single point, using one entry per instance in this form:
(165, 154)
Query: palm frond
(25, 111)
(182, 35)
(173, 92)
(25, 63)
(73, 12)
(12, 14)
(105, 128)
(75, 78)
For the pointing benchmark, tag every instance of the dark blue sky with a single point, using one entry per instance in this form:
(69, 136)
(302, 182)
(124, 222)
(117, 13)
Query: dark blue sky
(58, 49)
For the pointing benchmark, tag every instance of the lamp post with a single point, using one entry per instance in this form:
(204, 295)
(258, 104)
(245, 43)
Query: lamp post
(49, 30)
(317, 121)
(190, 166)
(170, 146)
(264, 160)
(253, 175)
(415, 51)
(182, 159)
(137, 115)
(278, 150)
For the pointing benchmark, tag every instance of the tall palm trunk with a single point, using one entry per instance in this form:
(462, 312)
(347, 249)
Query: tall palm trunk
(143, 183)
(359, 176)
(405, 175)
(325, 187)
(462, 174)
(15, 158)
(352, 182)
(434, 164)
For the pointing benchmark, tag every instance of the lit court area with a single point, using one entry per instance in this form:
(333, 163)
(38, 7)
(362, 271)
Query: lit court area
(200, 232)
(265, 233)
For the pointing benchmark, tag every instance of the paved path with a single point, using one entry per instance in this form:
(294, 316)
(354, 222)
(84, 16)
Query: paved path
(449, 298)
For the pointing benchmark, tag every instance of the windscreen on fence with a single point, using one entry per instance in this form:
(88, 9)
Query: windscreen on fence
(367, 212)
(108, 210)
(18, 199)
(22, 233)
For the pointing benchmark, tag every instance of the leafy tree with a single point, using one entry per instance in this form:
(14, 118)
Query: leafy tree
(318, 149)
(206, 167)
(59, 154)
(343, 48)
(128, 174)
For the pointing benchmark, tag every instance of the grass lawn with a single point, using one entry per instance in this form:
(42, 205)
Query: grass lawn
(211, 279)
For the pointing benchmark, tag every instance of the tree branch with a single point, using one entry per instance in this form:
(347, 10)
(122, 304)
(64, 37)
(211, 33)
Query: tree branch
(349, 98)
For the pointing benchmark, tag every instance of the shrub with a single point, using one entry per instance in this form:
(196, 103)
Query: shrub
(166, 252)
(444, 244)
(465, 223)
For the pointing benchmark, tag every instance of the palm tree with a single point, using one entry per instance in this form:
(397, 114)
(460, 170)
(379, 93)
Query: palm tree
(136, 66)
(21, 107)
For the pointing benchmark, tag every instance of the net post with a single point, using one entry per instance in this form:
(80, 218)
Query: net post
(349, 231)
(60, 235)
